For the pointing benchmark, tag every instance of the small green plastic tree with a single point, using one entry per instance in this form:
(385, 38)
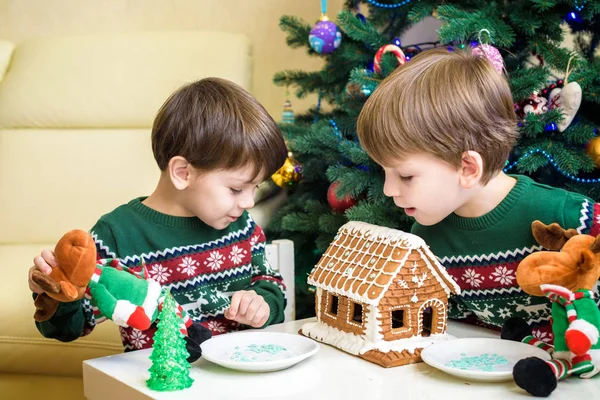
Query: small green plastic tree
(170, 369)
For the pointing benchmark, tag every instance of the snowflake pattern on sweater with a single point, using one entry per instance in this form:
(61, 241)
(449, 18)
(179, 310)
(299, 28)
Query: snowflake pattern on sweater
(202, 277)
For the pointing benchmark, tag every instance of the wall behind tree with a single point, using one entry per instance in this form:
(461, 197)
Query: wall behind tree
(258, 19)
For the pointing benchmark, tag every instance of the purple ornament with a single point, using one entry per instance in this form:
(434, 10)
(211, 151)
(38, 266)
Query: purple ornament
(325, 37)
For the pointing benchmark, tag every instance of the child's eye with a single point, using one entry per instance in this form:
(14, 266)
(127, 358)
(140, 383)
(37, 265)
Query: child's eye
(235, 191)
(406, 178)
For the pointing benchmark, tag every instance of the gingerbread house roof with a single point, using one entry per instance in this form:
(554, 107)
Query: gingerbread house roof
(363, 260)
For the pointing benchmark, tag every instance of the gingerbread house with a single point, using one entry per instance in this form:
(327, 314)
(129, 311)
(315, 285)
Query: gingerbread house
(380, 294)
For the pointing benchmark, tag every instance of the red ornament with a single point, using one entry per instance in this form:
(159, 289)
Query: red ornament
(337, 204)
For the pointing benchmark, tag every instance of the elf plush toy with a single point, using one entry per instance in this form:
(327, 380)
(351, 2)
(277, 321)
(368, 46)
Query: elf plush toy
(567, 278)
(121, 296)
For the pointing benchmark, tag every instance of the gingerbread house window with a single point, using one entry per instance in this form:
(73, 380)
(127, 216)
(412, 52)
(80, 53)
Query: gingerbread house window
(333, 305)
(427, 321)
(398, 319)
(357, 313)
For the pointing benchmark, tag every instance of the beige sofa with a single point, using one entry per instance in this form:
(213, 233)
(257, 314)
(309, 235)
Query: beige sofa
(75, 118)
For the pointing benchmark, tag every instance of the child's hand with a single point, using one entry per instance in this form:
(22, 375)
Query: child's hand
(248, 308)
(44, 263)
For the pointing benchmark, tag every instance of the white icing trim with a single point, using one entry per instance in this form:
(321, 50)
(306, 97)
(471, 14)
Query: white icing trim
(319, 296)
(358, 344)
(382, 237)
(441, 312)
(383, 234)
(349, 318)
(439, 270)
(322, 332)
(373, 330)
(405, 328)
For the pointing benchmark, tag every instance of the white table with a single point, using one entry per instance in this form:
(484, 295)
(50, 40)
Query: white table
(330, 374)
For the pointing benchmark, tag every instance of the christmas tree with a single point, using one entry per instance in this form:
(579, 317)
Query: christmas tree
(170, 369)
(557, 145)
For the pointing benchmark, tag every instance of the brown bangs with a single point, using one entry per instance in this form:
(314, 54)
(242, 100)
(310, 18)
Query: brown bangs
(215, 124)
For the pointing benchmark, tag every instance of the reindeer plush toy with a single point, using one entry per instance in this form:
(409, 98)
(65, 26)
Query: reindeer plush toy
(126, 298)
(566, 274)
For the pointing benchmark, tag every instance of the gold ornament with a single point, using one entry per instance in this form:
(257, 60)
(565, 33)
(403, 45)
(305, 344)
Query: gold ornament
(593, 150)
(289, 174)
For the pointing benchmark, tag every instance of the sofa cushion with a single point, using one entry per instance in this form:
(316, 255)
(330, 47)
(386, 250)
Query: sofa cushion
(55, 181)
(113, 81)
(22, 347)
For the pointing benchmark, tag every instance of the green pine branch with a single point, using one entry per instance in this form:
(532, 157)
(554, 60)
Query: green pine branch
(465, 25)
(361, 32)
(297, 32)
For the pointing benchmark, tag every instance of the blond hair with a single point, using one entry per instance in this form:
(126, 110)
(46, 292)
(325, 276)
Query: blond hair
(215, 124)
(442, 103)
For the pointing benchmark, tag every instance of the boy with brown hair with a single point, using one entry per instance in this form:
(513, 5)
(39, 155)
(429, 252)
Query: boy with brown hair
(442, 127)
(214, 143)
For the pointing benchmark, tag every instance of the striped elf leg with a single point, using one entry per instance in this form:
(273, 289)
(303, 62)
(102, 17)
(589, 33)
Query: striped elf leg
(533, 341)
(561, 368)
(582, 366)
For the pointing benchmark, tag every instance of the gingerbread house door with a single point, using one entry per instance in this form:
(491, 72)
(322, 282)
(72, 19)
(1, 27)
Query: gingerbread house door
(431, 317)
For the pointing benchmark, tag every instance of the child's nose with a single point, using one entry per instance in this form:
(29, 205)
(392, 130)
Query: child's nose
(390, 189)
(246, 201)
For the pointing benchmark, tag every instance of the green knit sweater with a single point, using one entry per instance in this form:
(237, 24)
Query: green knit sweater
(482, 254)
(200, 265)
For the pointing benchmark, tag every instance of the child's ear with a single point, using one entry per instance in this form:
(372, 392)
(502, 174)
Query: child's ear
(179, 172)
(471, 169)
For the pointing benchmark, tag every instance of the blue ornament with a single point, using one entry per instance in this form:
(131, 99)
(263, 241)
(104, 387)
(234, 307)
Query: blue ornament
(325, 37)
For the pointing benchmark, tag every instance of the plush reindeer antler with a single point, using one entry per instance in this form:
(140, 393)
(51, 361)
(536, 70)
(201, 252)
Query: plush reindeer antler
(553, 236)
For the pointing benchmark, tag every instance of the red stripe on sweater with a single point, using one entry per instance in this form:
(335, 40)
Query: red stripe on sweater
(492, 276)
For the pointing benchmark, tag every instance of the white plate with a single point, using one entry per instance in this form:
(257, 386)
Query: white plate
(487, 360)
(258, 351)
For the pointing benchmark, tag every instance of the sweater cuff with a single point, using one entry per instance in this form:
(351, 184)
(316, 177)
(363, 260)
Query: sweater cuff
(275, 314)
(66, 324)
(273, 311)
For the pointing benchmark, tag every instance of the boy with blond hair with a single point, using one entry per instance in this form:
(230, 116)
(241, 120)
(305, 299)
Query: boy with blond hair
(442, 127)
(214, 143)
